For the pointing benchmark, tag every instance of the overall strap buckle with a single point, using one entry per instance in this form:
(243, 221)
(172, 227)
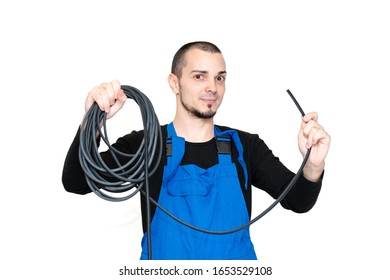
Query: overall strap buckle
(168, 148)
(224, 145)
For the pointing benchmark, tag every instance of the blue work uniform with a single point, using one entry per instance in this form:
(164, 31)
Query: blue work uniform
(210, 199)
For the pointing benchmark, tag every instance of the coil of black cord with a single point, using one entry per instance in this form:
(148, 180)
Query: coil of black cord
(133, 174)
(103, 179)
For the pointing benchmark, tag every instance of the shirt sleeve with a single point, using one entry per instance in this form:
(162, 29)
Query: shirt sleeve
(268, 173)
(73, 178)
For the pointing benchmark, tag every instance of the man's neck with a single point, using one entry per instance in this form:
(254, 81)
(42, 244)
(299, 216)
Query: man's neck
(194, 129)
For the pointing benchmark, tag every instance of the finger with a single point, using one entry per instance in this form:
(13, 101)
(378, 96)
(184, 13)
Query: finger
(95, 96)
(122, 96)
(307, 127)
(102, 94)
(317, 135)
(310, 116)
(310, 135)
(119, 102)
(110, 92)
(116, 86)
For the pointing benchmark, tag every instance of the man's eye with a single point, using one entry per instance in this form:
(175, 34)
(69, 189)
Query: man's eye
(221, 78)
(198, 77)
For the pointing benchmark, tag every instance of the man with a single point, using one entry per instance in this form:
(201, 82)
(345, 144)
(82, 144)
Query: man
(196, 182)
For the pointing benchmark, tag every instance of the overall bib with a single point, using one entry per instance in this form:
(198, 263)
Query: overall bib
(210, 199)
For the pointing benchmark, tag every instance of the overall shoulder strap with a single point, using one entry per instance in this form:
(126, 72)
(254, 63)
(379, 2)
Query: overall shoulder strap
(237, 142)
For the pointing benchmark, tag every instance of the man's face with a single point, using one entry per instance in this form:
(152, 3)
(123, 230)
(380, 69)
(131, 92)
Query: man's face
(202, 84)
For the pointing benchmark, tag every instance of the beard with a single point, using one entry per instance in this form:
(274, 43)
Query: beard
(195, 112)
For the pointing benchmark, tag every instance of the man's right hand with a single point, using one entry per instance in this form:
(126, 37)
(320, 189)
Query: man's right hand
(108, 96)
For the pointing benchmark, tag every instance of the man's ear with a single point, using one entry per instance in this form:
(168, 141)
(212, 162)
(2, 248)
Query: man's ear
(173, 83)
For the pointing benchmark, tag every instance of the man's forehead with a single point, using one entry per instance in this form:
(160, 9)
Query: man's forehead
(203, 61)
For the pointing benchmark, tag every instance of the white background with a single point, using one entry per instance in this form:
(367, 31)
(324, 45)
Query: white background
(333, 55)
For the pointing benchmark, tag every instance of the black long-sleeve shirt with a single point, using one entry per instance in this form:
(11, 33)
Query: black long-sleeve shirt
(265, 171)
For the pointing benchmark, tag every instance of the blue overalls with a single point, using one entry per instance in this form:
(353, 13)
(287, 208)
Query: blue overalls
(210, 199)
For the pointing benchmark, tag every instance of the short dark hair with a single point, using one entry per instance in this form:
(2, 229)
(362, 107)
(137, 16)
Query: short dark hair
(179, 62)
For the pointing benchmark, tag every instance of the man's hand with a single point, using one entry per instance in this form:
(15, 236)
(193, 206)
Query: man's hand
(312, 135)
(108, 96)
